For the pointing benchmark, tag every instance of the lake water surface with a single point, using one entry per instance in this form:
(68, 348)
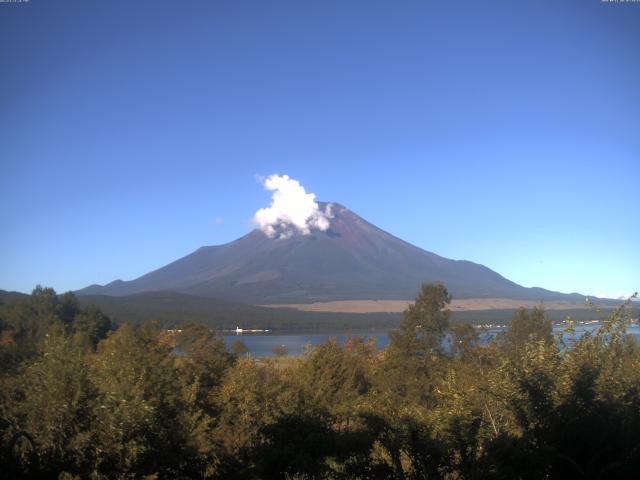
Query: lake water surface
(261, 345)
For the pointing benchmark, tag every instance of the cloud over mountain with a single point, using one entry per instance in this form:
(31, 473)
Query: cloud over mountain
(292, 209)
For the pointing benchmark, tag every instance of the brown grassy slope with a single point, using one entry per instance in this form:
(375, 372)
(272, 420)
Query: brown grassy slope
(394, 306)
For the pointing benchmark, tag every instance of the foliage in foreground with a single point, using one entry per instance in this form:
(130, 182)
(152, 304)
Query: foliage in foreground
(80, 399)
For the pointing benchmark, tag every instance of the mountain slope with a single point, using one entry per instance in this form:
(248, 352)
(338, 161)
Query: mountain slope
(353, 259)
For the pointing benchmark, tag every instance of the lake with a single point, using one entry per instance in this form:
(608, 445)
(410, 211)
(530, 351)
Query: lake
(261, 345)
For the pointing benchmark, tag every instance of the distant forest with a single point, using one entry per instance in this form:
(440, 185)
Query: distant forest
(171, 309)
(82, 397)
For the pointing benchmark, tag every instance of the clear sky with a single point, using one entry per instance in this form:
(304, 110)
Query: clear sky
(502, 132)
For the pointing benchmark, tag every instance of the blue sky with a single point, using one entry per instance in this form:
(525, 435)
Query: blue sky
(506, 133)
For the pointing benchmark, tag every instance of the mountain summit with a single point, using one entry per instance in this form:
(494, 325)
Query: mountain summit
(352, 259)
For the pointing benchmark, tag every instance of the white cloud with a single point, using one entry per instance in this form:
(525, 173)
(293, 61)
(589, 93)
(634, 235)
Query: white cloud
(292, 209)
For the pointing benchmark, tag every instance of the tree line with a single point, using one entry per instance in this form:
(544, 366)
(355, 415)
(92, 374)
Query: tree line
(82, 398)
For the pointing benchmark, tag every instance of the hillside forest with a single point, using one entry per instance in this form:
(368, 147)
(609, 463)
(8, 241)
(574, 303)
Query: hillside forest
(81, 397)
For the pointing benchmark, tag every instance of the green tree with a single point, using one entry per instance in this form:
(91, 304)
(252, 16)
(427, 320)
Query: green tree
(28, 321)
(413, 357)
(251, 397)
(91, 325)
(527, 326)
(335, 377)
(25, 324)
(58, 407)
(425, 322)
(203, 355)
(140, 426)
